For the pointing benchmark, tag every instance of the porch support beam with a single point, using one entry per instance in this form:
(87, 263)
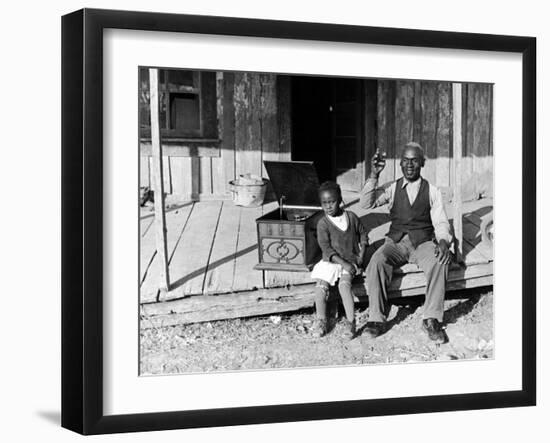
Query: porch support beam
(457, 168)
(158, 183)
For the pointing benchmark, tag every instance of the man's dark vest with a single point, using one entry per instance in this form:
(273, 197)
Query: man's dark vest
(414, 220)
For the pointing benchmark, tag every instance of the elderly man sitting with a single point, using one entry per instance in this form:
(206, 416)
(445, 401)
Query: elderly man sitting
(419, 233)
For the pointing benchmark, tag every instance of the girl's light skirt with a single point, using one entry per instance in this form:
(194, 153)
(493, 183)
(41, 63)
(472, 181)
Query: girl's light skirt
(327, 271)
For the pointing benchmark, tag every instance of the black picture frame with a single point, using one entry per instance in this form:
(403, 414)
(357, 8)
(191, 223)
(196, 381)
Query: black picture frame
(82, 215)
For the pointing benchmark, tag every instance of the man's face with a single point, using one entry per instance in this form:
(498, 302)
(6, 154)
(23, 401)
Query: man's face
(411, 163)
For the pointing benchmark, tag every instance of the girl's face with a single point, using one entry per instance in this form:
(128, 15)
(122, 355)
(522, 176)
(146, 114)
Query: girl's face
(330, 202)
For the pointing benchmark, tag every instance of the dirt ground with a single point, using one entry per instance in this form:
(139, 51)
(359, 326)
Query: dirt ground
(285, 341)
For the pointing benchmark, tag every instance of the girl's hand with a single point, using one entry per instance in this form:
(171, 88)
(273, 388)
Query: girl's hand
(348, 267)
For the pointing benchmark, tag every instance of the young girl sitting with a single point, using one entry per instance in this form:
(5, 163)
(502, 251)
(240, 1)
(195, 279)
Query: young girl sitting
(343, 241)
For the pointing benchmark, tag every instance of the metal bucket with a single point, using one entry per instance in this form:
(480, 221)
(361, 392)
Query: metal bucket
(248, 192)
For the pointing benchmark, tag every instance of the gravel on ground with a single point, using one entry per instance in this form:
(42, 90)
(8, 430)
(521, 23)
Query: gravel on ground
(286, 341)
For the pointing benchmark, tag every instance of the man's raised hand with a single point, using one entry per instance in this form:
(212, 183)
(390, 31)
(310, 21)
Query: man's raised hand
(378, 163)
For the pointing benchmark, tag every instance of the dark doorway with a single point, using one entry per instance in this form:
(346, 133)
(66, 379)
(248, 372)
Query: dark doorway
(311, 123)
(327, 127)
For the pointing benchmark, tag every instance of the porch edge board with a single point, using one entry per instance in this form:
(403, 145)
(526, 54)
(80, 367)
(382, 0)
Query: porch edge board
(202, 308)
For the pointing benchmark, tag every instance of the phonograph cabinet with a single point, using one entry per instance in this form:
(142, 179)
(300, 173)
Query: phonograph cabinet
(287, 236)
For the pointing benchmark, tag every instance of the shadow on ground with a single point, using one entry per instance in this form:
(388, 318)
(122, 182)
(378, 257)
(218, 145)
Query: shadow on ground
(54, 417)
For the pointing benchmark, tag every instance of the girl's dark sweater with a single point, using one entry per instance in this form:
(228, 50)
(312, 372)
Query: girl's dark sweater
(346, 244)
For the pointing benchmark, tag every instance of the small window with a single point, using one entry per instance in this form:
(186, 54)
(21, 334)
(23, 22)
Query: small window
(187, 104)
(185, 113)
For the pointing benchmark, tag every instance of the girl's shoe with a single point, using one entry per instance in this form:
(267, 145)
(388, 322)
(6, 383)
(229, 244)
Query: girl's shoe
(349, 329)
(320, 328)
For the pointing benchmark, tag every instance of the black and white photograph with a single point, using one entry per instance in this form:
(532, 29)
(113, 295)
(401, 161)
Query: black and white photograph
(295, 221)
(275, 221)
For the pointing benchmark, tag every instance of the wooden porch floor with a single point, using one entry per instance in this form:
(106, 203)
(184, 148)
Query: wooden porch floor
(212, 249)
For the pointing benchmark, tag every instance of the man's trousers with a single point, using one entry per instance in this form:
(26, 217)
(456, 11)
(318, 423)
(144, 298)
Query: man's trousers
(391, 255)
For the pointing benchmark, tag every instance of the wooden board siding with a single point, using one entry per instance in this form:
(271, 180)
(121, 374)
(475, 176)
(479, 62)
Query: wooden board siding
(443, 135)
(253, 123)
(284, 116)
(386, 128)
(248, 154)
(217, 163)
(422, 112)
(426, 104)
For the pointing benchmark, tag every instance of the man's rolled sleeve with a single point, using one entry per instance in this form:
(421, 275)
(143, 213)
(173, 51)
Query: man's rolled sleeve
(372, 197)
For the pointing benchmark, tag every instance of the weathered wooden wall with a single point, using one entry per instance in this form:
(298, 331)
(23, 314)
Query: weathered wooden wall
(253, 125)
(422, 112)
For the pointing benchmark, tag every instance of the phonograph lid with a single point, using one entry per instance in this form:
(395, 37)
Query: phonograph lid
(296, 181)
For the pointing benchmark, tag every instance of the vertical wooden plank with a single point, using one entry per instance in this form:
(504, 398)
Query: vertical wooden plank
(490, 158)
(218, 173)
(205, 181)
(404, 119)
(228, 134)
(370, 104)
(150, 161)
(490, 120)
(457, 159)
(208, 109)
(195, 178)
(166, 173)
(144, 179)
(283, 92)
(255, 119)
(242, 134)
(428, 134)
(178, 178)
(187, 177)
(468, 123)
(418, 112)
(443, 134)
(481, 133)
(386, 128)
(160, 216)
(481, 116)
(247, 124)
(268, 115)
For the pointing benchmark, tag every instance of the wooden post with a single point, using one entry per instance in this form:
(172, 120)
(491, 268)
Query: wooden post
(457, 167)
(158, 183)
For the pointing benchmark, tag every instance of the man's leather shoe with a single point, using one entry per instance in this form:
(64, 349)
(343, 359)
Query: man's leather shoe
(434, 330)
(374, 328)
